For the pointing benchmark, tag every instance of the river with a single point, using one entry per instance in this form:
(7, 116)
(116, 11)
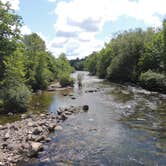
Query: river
(125, 125)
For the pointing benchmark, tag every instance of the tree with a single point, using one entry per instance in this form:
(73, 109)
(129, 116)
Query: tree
(15, 94)
(91, 63)
(164, 38)
(37, 72)
(127, 52)
(10, 24)
(104, 60)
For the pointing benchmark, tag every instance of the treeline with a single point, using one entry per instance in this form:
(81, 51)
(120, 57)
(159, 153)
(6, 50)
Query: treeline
(133, 56)
(25, 65)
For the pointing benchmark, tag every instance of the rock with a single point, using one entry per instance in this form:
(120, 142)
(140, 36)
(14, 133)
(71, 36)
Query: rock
(59, 112)
(37, 131)
(47, 139)
(31, 124)
(46, 160)
(7, 136)
(58, 128)
(40, 138)
(35, 148)
(10, 113)
(68, 113)
(51, 126)
(85, 108)
(63, 117)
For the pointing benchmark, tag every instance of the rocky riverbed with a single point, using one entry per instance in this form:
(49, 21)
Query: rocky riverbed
(24, 139)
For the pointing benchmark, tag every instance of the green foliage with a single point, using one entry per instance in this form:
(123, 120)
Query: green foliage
(91, 63)
(64, 71)
(152, 56)
(25, 64)
(129, 51)
(104, 60)
(38, 74)
(164, 38)
(77, 64)
(131, 54)
(15, 94)
(9, 33)
(153, 81)
(16, 98)
(65, 80)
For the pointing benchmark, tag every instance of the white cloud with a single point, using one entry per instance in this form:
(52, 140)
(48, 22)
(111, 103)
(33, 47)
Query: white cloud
(25, 30)
(79, 21)
(14, 3)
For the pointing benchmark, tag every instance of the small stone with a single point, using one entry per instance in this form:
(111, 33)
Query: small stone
(51, 126)
(37, 131)
(37, 146)
(48, 139)
(63, 117)
(7, 135)
(68, 113)
(31, 124)
(58, 128)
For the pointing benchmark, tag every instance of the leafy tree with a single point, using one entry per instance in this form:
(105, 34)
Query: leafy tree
(152, 56)
(64, 70)
(10, 24)
(15, 94)
(129, 50)
(104, 60)
(37, 72)
(164, 38)
(91, 63)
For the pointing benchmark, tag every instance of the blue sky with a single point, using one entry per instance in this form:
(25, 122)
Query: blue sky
(78, 27)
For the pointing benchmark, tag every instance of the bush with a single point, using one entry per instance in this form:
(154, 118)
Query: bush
(66, 80)
(153, 81)
(16, 98)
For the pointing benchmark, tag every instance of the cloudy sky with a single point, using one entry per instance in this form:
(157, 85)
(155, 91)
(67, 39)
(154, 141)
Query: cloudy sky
(78, 27)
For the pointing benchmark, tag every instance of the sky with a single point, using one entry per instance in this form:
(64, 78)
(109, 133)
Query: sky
(79, 27)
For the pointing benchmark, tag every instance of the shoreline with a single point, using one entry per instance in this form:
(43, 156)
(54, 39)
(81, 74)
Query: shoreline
(23, 140)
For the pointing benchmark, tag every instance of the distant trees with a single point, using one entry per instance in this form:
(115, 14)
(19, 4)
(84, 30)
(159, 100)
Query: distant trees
(78, 64)
(133, 56)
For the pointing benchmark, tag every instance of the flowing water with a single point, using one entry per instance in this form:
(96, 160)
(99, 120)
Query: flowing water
(125, 125)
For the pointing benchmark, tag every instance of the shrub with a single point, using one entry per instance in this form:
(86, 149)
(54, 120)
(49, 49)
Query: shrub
(66, 80)
(153, 81)
(16, 98)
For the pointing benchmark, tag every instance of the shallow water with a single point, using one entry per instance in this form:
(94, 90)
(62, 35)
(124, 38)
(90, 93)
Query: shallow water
(124, 126)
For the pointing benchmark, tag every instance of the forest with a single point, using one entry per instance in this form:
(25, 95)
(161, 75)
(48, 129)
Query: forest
(25, 64)
(136, 56)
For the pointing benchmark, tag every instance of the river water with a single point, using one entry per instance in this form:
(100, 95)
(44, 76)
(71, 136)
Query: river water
(125, 125)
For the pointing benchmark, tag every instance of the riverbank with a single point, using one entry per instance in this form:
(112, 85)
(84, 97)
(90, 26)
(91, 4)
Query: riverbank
(23, 140)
